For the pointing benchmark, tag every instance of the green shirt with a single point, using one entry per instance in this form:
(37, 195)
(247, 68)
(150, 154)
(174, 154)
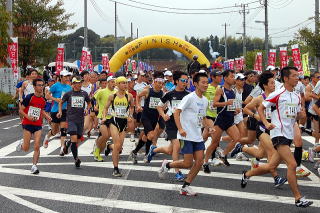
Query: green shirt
(209, 94)
(102, 96)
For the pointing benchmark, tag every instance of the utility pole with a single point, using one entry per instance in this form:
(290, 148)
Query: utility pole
(266, 33)
(85, 23)
(316, 30)
(131, 30)
(9, 10)
(244, 36)
(225, 41)
(115, 27)
(137, 38)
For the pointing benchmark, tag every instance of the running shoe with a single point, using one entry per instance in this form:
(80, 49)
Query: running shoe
(225, 161)
(107, 150)
(163, 169)
(316, 165)
(65, 148)
(302, 202)
(215, 162)
(179, 176)
(254, 163)
(97, 156)
(206, 168)
(237, 149)
(187, 191)
(132, 139)
(279, 181)
(311, 154)
(45, 142)
(219, 151)
(19, 146)
(77, 163)
(145, 159)
(34, 170)
(151, 153)
(116, 173)
(241, 157)
(302, 173)
(244, 180)
(133, 157)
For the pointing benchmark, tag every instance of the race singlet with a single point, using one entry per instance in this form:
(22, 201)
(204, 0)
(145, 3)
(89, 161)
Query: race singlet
(77, 101)
(34, 112)
(154, 102)
(120, 111)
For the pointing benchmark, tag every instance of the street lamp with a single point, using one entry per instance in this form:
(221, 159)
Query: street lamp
(225, 51)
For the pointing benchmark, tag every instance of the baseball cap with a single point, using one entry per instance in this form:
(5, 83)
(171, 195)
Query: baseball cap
(202, 71)
(215, 73)
(239, 76)
(142, 73)
(121, 79)
(110, 78)
(65, 73)
(271, 68)
(168, 73)
(76, 79)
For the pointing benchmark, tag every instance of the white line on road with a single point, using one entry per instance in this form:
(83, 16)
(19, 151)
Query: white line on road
(97, 201)
(26, 203)
(9, 148)
(14, 126)
(159, 186)
(1, 122)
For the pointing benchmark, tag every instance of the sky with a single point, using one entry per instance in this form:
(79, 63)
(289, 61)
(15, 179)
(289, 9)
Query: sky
(283, 17)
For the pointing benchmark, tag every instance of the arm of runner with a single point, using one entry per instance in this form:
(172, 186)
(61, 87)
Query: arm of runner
(21, 89)
(261, 110)
(131, 107)
(252, 105)
(105, 110)
(160, 109)
(315, 107)
(46, 115)
(143, 93)
(217, 97)
(24, 104)
(208, 124)
(176, 116)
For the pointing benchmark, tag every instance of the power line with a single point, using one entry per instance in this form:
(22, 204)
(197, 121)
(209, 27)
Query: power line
(289, 28)
(177, 13)
(175, 8)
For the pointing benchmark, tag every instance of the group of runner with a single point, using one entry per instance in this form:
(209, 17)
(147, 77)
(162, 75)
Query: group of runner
(192, 110)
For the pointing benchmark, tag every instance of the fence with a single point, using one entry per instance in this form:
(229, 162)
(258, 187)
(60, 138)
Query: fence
(7, 81)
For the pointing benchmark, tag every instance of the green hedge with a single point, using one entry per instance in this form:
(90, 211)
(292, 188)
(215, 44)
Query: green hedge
(5, 99)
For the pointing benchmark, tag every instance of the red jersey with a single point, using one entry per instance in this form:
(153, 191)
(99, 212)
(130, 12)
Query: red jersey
(33, 107)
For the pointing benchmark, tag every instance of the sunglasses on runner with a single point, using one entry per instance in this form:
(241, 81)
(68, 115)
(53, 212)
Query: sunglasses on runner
(183, 80)
(40, 85)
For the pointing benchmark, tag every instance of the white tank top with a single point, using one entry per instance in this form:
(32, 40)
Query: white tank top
(29, 89)
(87, 89)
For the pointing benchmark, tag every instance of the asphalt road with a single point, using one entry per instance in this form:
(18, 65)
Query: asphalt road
(60, 187)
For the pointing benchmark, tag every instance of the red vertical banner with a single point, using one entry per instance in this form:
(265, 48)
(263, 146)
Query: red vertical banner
(283, 57)
(13, 55)
(237, 64)
(60, 58)
(243, 63)
(296, 57)
(134, 65)
(258, 62)
(83, 59)
(272, 57)
(105, 62)
(231, 64)
(89, 61)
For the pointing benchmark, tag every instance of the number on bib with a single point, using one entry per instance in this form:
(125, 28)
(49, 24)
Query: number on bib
(120, 111)
(154, 102)
(232, 107)
(77, 101)
(268, 113)
(291, 111)
(34, 112)
(175, 104)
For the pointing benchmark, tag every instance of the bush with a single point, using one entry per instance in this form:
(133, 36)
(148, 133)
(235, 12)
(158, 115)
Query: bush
(5, 99)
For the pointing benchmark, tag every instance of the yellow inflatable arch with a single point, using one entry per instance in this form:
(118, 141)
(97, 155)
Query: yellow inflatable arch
(155, 41)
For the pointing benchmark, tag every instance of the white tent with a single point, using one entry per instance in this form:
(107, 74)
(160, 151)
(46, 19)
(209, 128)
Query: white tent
(65, 64)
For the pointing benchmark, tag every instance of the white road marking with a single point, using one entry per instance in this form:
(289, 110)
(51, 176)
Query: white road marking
(1, 122)
(9, 148)
(97, 201)
(26, 203)
(159, 186)
(6, 128)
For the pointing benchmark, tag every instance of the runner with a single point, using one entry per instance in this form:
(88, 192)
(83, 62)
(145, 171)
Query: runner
(27, 86)
(288, 107)
(224, 100)
(56, 93)
(171, 100)
(104, 133)
(75, 100)
(122, 110)
(190, 118)
(32, 109)
(150, 116)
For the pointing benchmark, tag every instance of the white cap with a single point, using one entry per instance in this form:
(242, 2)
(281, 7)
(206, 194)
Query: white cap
(202, 71)
(65, 73)
(110, 78)
(168, 73)
(239, 76)
(271, 68)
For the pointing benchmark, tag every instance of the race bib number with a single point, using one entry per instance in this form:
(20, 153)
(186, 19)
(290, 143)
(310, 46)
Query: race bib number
(34, 112)
(77, 101)
(120, 111)
(232, 107)
(211, 106)
(267, 113)
(175, 104)
(154, 102)
(291, 111)
(110, 111)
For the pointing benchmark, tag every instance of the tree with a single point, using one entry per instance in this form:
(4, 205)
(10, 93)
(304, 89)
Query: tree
(4, 38)
(39, 25)
(251, 58)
